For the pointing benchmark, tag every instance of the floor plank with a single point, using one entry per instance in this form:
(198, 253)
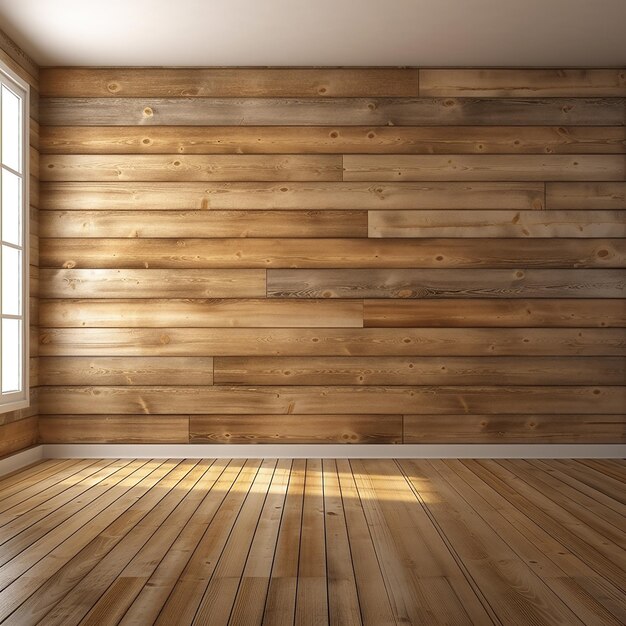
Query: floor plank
(331, 542)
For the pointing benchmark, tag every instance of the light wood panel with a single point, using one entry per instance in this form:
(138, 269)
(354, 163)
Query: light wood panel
(445, 283)
(214, 313)
(555, 167)
(185, 168)
(293, 196)
(497, 224)
(336, 111)
(295, 429)
(332, 342)
(229, 82)
(599, 313)
(515, 83)
(419, 371)
(315, 400)
(333, 140)
(344, 542)
(330, 255)
(18, 434)
(205, 224)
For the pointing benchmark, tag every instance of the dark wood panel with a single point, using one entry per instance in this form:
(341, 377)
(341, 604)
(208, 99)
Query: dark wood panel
(514, 167)
(294, 429)
(332, 253)
(16, 435)
(185, 168)
(420, 371)
(323, 112)
(114, 429)
(337, 400)
(76, 370)
(332, 342)
(445, 283)
(202, 313)
(574, 313)
(514, 83)
(497, 224)
(293, 196)
(151, 283)
(169, 224)
(228, 82)
(532, 428)
(585, 196)
(333, 140)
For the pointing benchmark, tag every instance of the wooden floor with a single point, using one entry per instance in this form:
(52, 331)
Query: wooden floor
(313, 542)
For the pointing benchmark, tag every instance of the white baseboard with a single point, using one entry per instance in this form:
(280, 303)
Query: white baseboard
(460, 451)
(21, 459)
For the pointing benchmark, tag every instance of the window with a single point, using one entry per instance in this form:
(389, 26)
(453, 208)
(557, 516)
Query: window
(13, 238)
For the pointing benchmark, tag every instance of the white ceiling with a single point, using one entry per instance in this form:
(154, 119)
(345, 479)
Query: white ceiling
(319, 32)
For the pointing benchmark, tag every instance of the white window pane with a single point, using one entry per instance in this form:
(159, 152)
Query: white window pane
(11, 283)
(11, 356)
(11, 208)
(11, 129)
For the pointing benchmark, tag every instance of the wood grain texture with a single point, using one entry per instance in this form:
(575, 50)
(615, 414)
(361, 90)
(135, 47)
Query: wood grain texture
(445, 283)
(340, 400)
(134, 253)
(573, 313)
(513, 83)
(113, 429)
(105, 284)
(353, 255)
(65, 196)
(497, 224)
(17, 435)
(228, 82)
(295, 429)
(185, 168)
(196, 224)
(332, 342)
(198, 313)
(333, 140)
(126, 370)
(554, 167)
(514, 428)
(419, 371)
(336, 111)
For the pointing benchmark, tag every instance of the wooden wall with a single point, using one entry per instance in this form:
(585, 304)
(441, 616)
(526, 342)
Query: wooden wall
(18, 429)
(327, 255)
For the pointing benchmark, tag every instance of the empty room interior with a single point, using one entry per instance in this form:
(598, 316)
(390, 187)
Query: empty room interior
(313, 313)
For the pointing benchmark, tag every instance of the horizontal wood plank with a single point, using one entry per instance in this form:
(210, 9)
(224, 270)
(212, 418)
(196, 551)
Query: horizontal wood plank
(445, 283)
(337, 400)
(252, 313)
(420, 371)
(585, 196)
(292, 195)
(186, 111)
(355, 253)
(497, 224)
(473, 167)
(514, 83)
(514, 429)
(150, 283)
(185, 168)
(332, 342)
(114, 429)
(294, 429)
(126, 370)
(17, 435)
(169, 224)
(333, 140)
(573, 313)
(228, 82)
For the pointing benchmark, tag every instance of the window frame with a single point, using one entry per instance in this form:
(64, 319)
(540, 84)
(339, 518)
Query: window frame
(21, 399)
